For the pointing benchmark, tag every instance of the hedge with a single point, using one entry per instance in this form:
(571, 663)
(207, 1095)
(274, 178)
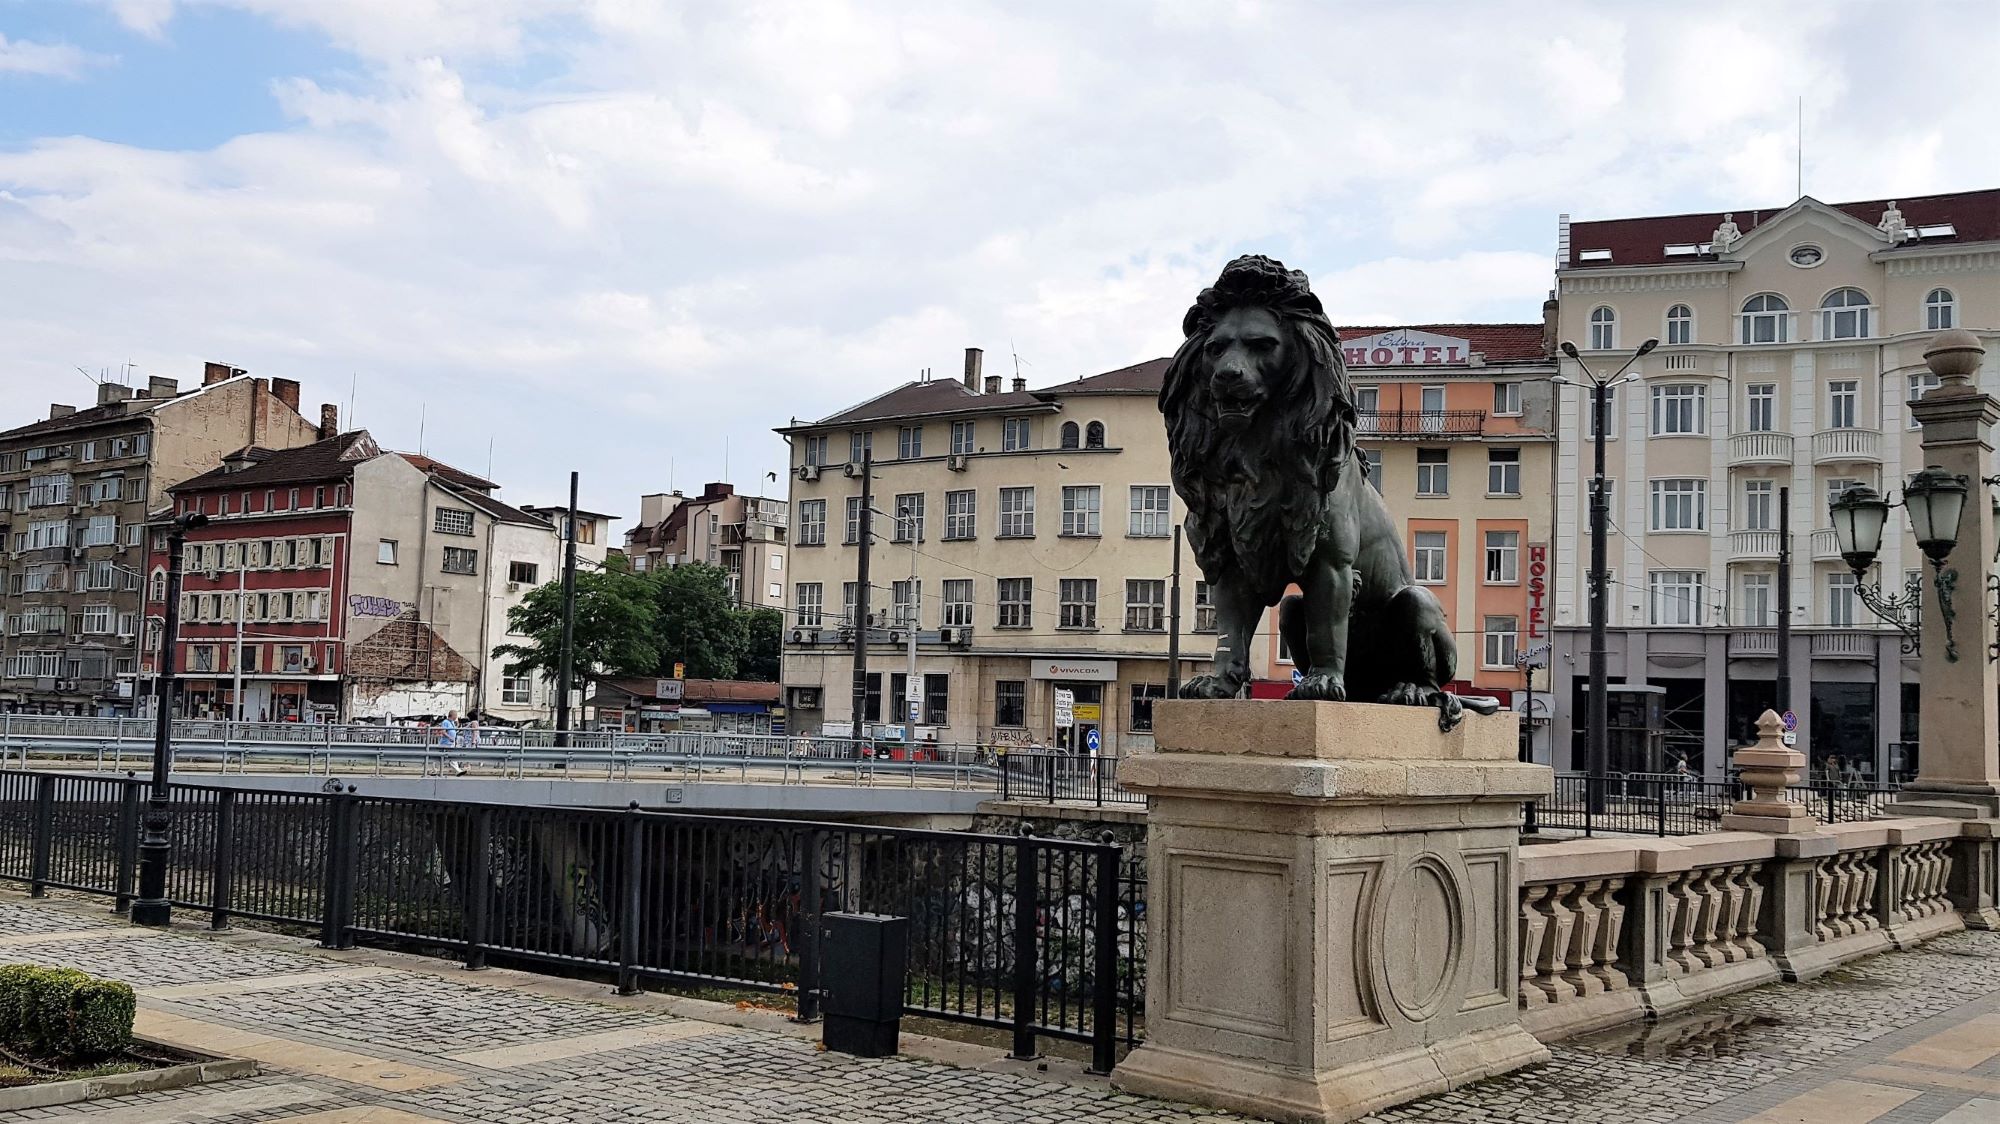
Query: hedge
(63, 1013)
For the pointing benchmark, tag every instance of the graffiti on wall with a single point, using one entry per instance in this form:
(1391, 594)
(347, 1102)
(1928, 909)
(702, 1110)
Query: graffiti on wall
(364, 605)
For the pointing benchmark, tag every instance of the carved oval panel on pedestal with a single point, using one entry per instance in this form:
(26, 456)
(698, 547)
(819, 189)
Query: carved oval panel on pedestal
(1423, 932)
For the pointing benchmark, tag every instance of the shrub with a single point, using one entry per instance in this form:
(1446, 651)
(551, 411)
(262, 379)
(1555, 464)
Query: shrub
(63, 1013)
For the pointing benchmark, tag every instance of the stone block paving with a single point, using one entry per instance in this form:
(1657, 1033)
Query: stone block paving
(161, 961)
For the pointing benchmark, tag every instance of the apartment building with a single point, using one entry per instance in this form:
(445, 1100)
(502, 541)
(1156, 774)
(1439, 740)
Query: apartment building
(75, 490)
(532, 555)
(1791, 341)
(744, 535)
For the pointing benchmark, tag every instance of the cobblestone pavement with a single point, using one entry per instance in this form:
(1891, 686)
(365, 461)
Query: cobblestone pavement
(375, 1038)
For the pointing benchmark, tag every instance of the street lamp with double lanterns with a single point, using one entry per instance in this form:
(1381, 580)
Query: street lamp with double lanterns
(1935, 500)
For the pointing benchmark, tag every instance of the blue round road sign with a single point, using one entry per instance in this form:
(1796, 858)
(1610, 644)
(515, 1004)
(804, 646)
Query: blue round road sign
(1298, 677)
(1091, 741)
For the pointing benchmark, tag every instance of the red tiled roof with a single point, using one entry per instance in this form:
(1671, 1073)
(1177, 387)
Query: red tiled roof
(1499, 343)
(939, 396)
(456, 476)
(331, 459)
(1644, 241)
(1139, 378)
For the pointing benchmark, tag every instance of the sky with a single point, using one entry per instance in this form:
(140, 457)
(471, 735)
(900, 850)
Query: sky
(629, 238)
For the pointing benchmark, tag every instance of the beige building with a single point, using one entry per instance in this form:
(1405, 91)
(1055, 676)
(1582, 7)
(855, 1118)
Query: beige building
(75, 490)
(1791, 342)
(744, 535)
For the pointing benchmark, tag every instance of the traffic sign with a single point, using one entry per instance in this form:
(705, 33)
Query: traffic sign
(916, 711)
(1065, 708)
(1791, 720)
(1298, 677)
(1091, 741)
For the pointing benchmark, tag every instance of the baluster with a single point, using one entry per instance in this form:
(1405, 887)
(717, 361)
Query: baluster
(1753, 904)
(1862, 910)
(1534, 925)
(1611, 924)
(1680, 925)
(1583, 939)
(1551, 965)
(1726, 892)
(1823, 898)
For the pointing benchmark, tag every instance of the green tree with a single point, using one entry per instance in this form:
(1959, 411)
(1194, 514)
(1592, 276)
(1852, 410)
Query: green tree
(765, 629)
(699, 624)
(616, 632)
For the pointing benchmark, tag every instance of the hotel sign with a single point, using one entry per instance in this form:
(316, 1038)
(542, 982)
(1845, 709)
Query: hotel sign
(1406, 348)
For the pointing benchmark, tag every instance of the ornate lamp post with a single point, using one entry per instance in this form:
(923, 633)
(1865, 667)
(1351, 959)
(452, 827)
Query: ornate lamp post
(1936, 501)
(150, 906)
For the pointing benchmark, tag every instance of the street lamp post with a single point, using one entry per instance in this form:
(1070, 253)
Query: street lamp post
(1597, 739)
(150, 906)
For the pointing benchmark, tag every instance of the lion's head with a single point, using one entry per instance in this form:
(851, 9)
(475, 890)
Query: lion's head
(1261, 365)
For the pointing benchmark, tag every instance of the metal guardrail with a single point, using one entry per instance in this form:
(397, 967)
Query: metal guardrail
(1050, 778)
(1036, 936)
(1665, 804)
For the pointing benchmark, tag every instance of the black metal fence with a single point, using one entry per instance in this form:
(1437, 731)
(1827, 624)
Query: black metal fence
(1046, 778)
(1032, 935)
(1671, 804)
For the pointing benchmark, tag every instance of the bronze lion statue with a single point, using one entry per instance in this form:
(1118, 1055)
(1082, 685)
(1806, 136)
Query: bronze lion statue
(1260, 428)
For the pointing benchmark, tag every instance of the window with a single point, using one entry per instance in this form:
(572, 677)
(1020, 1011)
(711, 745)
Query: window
(1755, 610)
(957, 598)
(1680, 409)
(1093, 435)
(201, 658)
(1017, 513)
(517, 690)
(860, 446)
(1603, 328)
(1427, 555)
(522, 573)
(1371, 463)
(959, 514)
(128, 623)
(1760, 407)
(1430, 400)
(1072, 435)
(1150, 511)
(156, 586)
(1680, 324)
(1766, 319)
(292, 658)
(452, 521)
(903, 599)
(97, 619)
(1841, 600)
(1940, 310)
(46, 491)
(99, 575)
(849, 605)
(1076, 600)
(937, 699)
(910, 517)
(853, 520)
(1506, 399)
(1016, 433)
(1017, 597)
(1080, 505)
(1759, 498)
(102, 530)
(1676, 596)
(1610, 413)
(1145, 605)
(1433, 472)
(1010, 702)
(459, 560)
(1843, 315)
(871, 705)
(1843, 399)
(961, 438)
(1503, 472)
(1501, 634)
(812, 522)
(1204, 607)
(1503, 557)
(808, 600)
(909, 442)
(1680, 505)
(48, 532)
(1921, 383)
(1144, 695)
(1838, 486)
(1367, 408)
(815, 454)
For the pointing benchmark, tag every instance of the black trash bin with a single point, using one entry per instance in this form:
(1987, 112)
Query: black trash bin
(865, 959)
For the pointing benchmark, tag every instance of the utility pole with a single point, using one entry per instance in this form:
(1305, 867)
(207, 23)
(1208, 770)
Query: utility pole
(236, 684)
(1599, 731)
(568, 619)
(913, 690)
(1174, 624)
(1784, 685)
(861, 593)
(150, 906)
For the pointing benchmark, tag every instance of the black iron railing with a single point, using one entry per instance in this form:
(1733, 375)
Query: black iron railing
(1049, 778)
(1671, 804)
(1031, 935)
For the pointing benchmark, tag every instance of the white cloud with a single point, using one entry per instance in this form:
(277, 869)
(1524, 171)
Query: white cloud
(47, 60)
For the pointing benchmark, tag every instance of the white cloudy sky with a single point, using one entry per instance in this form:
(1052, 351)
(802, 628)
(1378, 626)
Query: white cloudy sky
(614, 235)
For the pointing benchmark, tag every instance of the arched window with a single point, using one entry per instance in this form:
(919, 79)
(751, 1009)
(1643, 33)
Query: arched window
(1680, 324)
(1767, 319)
(1940, 310)
(1069, 435)
(1843, 315)
(1603, 328)
(156, 585)
(1093, 435)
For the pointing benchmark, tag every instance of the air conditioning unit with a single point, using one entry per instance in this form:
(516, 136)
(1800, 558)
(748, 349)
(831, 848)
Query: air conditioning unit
(852, 470)
(957, 462)
(513, 587)
(801, 636)
(309, 664)
(954, 635)
(212, 574)
(808, 472)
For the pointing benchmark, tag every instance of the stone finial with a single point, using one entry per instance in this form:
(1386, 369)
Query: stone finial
(1725, 235)
(1954, 356)
(1767, 769)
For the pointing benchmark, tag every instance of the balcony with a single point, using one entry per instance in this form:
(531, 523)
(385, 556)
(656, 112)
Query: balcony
(1419, 425)
(1761, 643)
(1845, 644)
(1753, 546)
(1825, 548)
(1834, 446)
(1760, 448)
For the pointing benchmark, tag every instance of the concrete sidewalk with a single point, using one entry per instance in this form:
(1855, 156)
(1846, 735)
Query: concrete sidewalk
(379, 1038)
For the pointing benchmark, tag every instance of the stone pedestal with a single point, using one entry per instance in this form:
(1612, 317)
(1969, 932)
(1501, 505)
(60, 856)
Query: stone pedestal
(1767, 769)
(1333, 906)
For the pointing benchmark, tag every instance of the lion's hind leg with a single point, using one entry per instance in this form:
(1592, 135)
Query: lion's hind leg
(1412, 655)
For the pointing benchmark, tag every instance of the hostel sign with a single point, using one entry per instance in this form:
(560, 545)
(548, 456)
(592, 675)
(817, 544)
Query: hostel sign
(1406, 348)
(1538, 588)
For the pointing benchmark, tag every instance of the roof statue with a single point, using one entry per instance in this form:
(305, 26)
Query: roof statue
(1725, 235)
(1892, 225)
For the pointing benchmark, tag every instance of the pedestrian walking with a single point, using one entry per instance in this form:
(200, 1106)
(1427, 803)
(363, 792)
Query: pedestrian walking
(448, 738)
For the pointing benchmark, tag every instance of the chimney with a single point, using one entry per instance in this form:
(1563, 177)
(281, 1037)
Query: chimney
(717, 491)
(157, 387)
(1549, 308)
(329, 421)
(1020, 384)
(993, 384)
(58, 410)
(109, 392)
(287, 391)
(974, 360)
(212, 373)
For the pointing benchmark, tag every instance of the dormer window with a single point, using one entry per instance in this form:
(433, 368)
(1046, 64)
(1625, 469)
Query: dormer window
(1593, 255)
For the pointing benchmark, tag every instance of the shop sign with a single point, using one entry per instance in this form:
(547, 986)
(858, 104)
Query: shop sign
(1538, 588)
(1065, 708)
(1105, 671)
(1088, 712)
(668, 690)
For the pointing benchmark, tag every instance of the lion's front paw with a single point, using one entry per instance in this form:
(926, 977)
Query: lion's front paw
(1323, 685)
(1210, 687)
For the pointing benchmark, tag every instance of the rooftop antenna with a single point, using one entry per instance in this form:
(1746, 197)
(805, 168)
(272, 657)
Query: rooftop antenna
(1802, 147)
(88, 375)
(1016, 355)
(353, 381)
(423, 412)
(489, 457)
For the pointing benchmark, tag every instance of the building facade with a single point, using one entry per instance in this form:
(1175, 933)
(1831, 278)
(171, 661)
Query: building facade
(75, 491)
(1791, 342)
(744, 535)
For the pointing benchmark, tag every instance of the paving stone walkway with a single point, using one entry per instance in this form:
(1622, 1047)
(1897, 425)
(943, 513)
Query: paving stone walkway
(377, 1038)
